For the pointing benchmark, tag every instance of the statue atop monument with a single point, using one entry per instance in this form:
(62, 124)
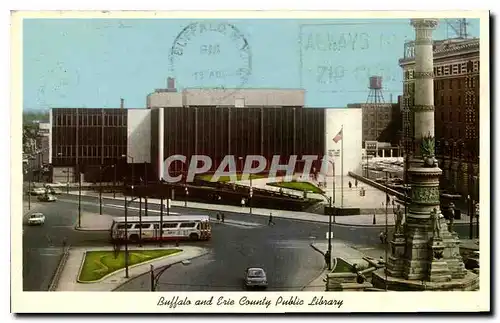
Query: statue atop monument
(451, 213)
(436, 225)
(398, 219)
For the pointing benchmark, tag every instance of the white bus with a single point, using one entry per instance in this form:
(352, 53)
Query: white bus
(185, 227)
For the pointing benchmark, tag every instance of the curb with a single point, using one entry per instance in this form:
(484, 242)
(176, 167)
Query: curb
(262, 215)
(57, 274)
(76, 228)
(316, 248)
(120, 270)
(206, 251)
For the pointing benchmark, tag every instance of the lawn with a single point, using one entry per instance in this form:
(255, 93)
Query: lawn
(226, 179)
(342, 266)
(298, 186)
(98, 264)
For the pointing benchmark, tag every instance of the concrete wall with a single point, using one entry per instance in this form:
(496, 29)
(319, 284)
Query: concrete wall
(139, 135)
(229, 97)
(164, 99)
(351, 119)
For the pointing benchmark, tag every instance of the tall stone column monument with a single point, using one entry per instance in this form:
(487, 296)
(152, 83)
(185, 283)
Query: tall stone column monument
(424, 254)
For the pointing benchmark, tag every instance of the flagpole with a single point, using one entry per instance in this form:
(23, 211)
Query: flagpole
(342, 169)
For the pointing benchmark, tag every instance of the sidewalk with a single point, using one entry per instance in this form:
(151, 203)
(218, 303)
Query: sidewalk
(33, 206)
(350, 220)
(351, 254)
(71, 271)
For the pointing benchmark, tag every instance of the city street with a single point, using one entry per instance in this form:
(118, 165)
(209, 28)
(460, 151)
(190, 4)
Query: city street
(283, 250)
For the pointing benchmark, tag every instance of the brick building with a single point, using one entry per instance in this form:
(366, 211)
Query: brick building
(377, 122)
(456, 100)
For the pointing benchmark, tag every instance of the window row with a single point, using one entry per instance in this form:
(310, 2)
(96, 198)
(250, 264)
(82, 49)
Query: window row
(92, 120)
(157, 226)
(449, 69)
(88, 151)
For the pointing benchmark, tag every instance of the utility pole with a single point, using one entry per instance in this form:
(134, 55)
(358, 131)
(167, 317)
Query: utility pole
(100, 189)
(126, 230)
(79, 198)
(114, 181)
(161, 220)
(146, 190)
(386, 227)
(469, 213)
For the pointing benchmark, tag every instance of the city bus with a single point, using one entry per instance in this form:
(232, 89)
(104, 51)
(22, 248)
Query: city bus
(185, 227)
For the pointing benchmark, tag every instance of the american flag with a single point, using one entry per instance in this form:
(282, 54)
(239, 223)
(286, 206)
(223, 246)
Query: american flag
(338, 137)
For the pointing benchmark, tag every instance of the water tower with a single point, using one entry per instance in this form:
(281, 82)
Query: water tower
(375, 99)
(375, 96)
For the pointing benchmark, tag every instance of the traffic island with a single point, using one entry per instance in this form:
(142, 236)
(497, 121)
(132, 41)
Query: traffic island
(97, 265)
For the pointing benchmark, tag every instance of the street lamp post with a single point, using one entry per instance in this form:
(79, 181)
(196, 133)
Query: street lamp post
(146, 189)
(100, 189)
(29, 187)
(79, 198)
(469, 214)
(126, 229)
(330, 234)
(330, 214)
(67, 181)
(114, 181)
(161, 220)
(154, 279)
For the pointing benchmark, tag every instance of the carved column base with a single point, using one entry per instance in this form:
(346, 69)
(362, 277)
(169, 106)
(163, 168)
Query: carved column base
(395, 263)
(438, 270)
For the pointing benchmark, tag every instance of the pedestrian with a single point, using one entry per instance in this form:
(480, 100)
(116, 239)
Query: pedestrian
(218, 216)
(271, 219)
(328, 259)
(350, 184)
(383, 237)
(356, 182)
(64, 242)
(242, 202)
(222, 216)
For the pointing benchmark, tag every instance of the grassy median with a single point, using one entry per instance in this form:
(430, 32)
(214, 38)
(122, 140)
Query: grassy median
(298, 186)
(98, 264)
(227, 179)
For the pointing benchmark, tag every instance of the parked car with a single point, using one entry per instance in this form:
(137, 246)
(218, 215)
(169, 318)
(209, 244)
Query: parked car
(36, 219)
(255, 277)
(47, 198)
(57, 184)
(37, 191)
(54, 191)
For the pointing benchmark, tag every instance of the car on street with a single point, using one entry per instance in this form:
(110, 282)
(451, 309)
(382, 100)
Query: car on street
(53, 190)
(255, 277)
(57, 184)
(36, 219)
(47, 198)
(37, 191)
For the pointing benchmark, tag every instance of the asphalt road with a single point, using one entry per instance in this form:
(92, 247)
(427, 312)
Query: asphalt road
(283, 250)
(42, 245)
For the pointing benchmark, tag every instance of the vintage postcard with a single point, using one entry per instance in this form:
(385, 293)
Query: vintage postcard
(250, 162)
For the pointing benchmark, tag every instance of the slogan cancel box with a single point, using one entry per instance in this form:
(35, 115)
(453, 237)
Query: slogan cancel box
(339, 58)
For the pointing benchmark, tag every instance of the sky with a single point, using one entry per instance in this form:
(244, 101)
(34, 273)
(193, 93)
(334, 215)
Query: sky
(94, 62)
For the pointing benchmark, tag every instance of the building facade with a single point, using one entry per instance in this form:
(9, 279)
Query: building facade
(376, 118)
(111, 144)
(84, 139)
(456, 100)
